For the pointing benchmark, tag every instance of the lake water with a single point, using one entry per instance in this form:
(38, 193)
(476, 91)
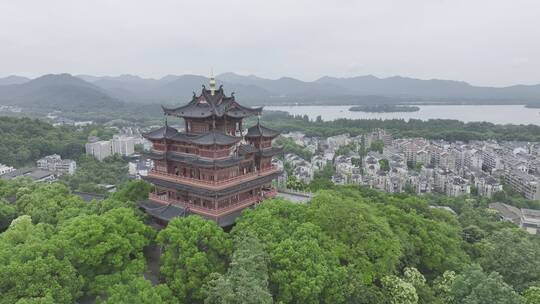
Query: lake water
(499, 114)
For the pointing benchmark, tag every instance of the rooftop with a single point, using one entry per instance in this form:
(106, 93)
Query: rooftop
(212, 103)
(531, 216)
(507, 212)
(32, 173)
(259, 130)
(209, 138)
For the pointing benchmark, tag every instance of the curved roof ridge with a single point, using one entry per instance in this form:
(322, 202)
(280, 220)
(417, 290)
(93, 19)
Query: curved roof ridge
(259, 130)
(215, 137)
(218, 104)
(161, 133)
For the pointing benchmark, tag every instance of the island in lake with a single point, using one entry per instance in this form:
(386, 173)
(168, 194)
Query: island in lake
(384, 108)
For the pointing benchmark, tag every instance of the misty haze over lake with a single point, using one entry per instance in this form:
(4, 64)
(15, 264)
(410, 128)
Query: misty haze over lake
(498, 114)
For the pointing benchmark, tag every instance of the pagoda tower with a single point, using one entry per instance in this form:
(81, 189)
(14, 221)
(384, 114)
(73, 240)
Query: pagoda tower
(213, 168)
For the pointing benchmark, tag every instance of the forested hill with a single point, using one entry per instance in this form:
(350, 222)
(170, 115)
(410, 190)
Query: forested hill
(58, 92)
(24, 140)
(348, 245)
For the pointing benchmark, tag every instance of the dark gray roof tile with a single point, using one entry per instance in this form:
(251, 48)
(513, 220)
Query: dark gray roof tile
(260, 131)
(206, 105)
(161, 133)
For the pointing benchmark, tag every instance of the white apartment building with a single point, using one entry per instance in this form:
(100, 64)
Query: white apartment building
(99, 149)
(487, 186)
(5, 169)
(473, 159)
(457, 186)
(123, 145)
(120, 144)
(526, 184)
(56, 164)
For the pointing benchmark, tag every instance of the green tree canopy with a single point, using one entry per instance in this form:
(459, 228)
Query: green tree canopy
(474, 286)
(514, 254)
(532, 295)
(102, 246)
(193, 248)
(138, 290)
(246, 281)
(49, 203)
(31, 272)
(399, 291)
(372, 247)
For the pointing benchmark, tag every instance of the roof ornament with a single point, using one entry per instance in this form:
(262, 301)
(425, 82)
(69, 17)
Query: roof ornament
(194, 95)
(259, 125)
(212, 83)
(166, 123)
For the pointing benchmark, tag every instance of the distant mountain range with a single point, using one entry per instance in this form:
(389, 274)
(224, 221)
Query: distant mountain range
(86, 92)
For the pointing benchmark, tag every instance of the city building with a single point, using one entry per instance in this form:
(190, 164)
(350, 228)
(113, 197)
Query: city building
(487, 186)
(5, 169)
(35, 174)
(56, 164)
(213, 168)
(99, 149)
(119, 145)
(123, 145)
(527, 219)
(526, 184)
(139, 167)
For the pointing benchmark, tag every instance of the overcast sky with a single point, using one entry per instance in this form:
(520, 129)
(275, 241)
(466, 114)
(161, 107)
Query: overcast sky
(484, 42)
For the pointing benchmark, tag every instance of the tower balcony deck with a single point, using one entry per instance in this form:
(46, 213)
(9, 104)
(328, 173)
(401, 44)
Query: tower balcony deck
(210, 212)
(213, 185)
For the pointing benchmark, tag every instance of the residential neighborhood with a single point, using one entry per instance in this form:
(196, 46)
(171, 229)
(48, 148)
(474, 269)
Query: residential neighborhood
(418, 165)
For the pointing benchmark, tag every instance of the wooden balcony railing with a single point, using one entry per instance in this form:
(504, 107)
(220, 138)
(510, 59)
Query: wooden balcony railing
(219, 184)
(194, 152)
(203, 210)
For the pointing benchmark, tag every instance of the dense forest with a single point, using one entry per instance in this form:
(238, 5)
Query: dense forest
(451, 130)
(348, 245)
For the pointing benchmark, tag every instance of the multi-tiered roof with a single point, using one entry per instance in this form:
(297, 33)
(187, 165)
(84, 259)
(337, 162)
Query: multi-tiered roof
(211, 168)
(212, 103)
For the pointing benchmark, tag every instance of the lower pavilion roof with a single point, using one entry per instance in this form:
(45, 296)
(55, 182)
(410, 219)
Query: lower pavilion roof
(271, 151)
(161, 133)
(213, 193)
(170, 211)
(266, 152)
(259, 130)
(209, 138)
(247, 149)
(195, 160)
(161, 211)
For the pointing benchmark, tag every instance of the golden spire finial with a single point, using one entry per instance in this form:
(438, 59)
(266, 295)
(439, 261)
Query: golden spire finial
(212, 82)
